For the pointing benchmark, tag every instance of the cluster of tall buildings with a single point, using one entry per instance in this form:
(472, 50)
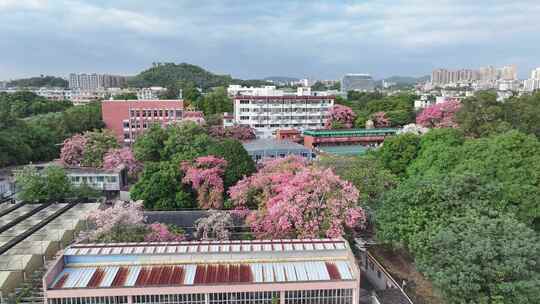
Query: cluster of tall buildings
(95, 81)
(489, 74)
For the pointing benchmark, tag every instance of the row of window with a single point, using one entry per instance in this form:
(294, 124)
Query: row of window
(156, 113)
(314, 117)
(258, 157)
(94, 179)
(286, 102)
(137, 124)
(89, 300)
(289, 110)
(323, 296)
(310, 125)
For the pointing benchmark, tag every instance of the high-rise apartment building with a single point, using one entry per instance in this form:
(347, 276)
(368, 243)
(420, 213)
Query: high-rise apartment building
(95, 81)
(444, 76)
(484, 75)
(357, 82)
(533, 83)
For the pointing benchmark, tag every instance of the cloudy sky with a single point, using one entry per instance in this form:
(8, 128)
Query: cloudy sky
(253, 39)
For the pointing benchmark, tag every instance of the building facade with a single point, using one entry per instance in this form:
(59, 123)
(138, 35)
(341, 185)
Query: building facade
(260, 149)
(95, 81)
(357, 82)
(150, 93)
(267, 114)
(128, 118)
(231, 272)
(533, 83)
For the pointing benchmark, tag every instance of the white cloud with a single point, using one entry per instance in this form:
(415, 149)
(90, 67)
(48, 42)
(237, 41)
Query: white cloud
(23, 4)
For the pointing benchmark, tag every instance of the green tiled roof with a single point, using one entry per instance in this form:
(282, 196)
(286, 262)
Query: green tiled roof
(344, 149)
(351, 132)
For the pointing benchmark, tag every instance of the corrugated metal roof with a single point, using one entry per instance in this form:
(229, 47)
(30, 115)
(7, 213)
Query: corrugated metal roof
(200, 274)
(205, 247)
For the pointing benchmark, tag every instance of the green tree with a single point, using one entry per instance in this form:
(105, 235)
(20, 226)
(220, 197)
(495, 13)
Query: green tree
(160, 187)
(398, 152)
(523, 113)
(50, 185)
(125, 96)
(239, 163)
(216, 102)
(97, 145)
(481, 259)
(148, 146)
(366, 173)
(481, 115)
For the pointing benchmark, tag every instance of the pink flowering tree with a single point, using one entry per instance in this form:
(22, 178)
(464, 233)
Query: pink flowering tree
(340, 117)
(216, 226)
(305, 202)
(251, 192)
(205, 175)
(380, 120)
(115, 158)
(72, 152)
(159, 232)
(440, 115)
(236, 132)
(123, 222)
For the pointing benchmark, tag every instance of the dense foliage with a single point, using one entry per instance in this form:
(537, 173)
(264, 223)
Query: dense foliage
(115, 158)
(163, 151)
(216, 102)
(439, 115)
(89, 149)
(165, 74)
(38, 138)
(49, 185)
(24, 104)
(481, 259)
(237, 132)
(37, 82)
(205, 174)
(340, 117)
(295, 200)
(398, 109)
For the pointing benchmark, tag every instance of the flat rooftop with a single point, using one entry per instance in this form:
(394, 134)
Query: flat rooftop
(272, 144)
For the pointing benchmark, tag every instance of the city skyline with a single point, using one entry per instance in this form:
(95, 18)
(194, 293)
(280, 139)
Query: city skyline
(255, 40)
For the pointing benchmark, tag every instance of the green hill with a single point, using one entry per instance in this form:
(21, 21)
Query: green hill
(38, 82)
(166, 74)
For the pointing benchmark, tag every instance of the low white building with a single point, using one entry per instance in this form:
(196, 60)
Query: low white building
(269, 113)
(151, 93)
(533, 83)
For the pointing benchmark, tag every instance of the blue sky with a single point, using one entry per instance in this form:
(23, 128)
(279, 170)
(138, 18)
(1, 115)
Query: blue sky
(253, 39)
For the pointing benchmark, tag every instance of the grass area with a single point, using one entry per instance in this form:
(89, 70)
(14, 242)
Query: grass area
(401, 266)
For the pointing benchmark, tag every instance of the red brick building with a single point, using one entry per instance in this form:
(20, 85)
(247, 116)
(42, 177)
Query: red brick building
(128, 118)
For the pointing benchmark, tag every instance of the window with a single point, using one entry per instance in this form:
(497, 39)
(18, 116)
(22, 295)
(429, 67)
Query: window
(126, 124)
(170, 299)
(258, 297)
(126, 135)
(155, 113)
(326, 296)
(100, 179)
(378, 274)
(243, 110)
(178, 113)
(244, 101)
(111, 179)
(244, 117)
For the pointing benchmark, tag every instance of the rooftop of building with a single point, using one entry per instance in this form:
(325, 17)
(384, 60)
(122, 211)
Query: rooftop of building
(204, 262)
(272, 144)
(289, 97)
(351, 132)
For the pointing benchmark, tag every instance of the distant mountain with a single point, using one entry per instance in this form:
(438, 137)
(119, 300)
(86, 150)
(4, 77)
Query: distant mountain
(280, 79)
(166, 74)
(406, 80)
(38, 82)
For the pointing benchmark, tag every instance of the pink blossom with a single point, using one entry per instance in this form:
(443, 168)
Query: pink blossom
(236, 132)
(215, 226)
(380, 120)
(340, 115)
(72, 152)
(440, 115)
(160, 233)
(294, 199)
(122, 157)
(121, 214)
(206, 177)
